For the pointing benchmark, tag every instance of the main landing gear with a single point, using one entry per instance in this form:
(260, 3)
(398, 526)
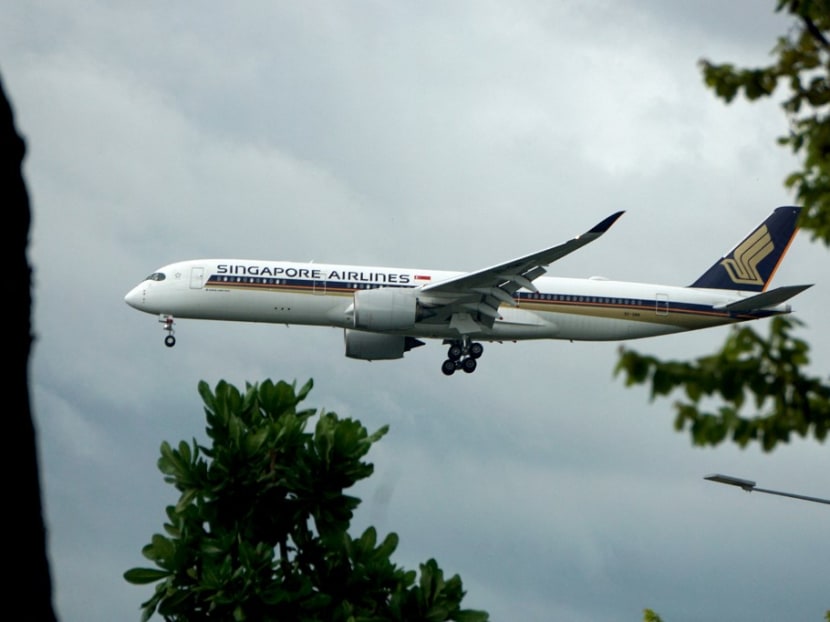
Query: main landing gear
(167, 320)
(462, 354)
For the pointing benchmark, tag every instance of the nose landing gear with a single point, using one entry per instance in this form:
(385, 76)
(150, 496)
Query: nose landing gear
(167, 320)
(462, 354)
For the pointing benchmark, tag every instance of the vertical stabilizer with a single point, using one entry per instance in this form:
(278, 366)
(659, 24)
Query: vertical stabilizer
(751, 264)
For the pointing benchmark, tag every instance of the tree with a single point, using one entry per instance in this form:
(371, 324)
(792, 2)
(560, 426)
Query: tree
(259, 531)
(768, 374)
(29, 547)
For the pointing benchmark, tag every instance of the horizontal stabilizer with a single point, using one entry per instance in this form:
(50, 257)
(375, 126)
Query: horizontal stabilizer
(764, 300)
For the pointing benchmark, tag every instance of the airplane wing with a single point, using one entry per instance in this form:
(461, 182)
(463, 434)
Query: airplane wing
(472, 299)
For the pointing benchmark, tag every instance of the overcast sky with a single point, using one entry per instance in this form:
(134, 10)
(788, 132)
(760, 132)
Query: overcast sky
(445, 135)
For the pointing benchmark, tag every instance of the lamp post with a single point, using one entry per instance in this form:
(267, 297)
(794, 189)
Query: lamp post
(749, 486)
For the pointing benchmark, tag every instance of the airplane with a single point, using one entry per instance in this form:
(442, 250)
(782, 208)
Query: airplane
(385, 312)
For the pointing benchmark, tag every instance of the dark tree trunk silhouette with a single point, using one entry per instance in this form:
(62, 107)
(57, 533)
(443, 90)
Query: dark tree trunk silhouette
(31, 582)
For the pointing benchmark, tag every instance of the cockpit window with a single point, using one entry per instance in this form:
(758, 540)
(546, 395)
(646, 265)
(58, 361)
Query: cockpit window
(156, 276)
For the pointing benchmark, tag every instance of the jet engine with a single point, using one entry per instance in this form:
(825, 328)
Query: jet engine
(385, 308)
(377, 347)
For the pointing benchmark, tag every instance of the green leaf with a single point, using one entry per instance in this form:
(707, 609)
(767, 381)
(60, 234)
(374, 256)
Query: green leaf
(142, 576)
(650, 616)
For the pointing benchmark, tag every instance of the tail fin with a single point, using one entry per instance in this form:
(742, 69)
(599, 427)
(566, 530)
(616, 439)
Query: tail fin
(751, 265)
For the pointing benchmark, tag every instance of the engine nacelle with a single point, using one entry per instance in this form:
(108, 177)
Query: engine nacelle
(386, 308)
(377, 347)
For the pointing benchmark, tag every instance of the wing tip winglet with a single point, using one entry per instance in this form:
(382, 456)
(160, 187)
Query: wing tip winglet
(605, 225)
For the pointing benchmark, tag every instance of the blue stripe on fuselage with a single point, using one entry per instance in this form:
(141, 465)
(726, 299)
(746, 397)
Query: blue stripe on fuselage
(656, 309)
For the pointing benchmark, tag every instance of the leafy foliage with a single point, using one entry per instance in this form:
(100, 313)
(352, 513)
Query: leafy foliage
(803, 63)
(260, 528)
(761, 374)
(768, 374)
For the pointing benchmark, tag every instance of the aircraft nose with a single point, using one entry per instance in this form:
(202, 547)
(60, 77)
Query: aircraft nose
(135, 297)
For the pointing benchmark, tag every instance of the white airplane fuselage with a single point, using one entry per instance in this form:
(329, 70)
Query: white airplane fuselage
(385, 312)
(593, 309)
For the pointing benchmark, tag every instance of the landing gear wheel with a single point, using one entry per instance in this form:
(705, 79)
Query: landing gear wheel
(469, 365)
(168, 322)
(448, 367)
(455, 352)
(462, 354)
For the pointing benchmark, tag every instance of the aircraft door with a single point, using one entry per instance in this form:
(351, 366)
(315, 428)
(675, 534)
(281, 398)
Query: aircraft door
(662, 304)
(197, 277)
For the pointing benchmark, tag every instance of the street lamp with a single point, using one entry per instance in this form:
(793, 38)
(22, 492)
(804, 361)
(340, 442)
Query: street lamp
(749, 486)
